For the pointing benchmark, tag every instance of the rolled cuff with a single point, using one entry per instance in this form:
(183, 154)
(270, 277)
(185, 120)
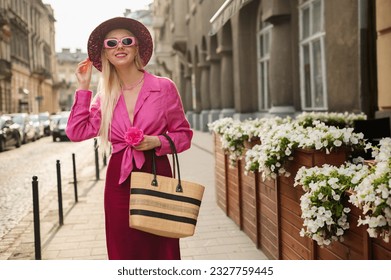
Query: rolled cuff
(164, 147)
(83, 97)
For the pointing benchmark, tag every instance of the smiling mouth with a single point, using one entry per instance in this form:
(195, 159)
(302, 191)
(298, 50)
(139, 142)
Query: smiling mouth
(120, 55)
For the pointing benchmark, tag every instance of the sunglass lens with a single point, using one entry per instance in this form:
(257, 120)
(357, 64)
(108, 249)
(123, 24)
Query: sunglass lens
(127, 41)
(111, 43)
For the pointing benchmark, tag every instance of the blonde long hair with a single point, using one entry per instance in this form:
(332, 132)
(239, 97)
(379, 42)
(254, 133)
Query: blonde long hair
(109, 91)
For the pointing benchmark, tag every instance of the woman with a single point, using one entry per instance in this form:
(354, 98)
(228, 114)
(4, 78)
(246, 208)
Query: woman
(128, 97)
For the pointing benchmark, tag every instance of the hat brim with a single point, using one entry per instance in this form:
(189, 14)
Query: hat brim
(95, 41)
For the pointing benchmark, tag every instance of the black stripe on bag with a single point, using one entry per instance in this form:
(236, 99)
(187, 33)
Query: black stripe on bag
(166, 196)
(163, 216)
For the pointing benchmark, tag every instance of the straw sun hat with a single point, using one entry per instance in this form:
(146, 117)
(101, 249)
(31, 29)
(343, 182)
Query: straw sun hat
(95, 41)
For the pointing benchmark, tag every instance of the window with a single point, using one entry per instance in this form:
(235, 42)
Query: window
(312, 57)
(264, 40)
(19, 49)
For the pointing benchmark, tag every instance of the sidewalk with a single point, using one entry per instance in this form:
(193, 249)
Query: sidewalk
(82, 236)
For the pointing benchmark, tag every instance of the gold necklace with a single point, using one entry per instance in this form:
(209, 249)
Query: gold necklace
(133, 86)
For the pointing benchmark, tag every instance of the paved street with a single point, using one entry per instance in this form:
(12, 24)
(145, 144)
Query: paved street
(18, 166)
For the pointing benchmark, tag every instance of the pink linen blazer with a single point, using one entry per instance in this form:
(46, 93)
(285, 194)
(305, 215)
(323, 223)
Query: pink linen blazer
(158, 110)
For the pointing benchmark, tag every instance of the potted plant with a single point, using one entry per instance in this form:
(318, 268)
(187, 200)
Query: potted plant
(325, 188)
(373, 194)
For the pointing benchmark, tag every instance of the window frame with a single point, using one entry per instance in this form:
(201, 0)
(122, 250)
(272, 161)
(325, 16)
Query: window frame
(310, 41)
(263, 62)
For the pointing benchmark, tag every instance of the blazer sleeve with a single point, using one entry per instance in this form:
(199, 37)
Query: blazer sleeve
(84, 119)
(178, 128)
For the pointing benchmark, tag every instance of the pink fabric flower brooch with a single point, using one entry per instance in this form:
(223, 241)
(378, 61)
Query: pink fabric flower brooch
(134, 136)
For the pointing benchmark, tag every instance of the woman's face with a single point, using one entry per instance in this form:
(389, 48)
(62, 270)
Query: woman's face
(120, 55)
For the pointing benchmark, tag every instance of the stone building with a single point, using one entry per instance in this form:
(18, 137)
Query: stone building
(5, 59)
(255, 58)
(383, 28)
(145, 17)
(67, 62)
(27, 57)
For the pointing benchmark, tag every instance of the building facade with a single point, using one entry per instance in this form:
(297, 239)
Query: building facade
(259, 58)
(27, 57)
(5, 58)
(67, 62)
(145, 17)
(383, 28)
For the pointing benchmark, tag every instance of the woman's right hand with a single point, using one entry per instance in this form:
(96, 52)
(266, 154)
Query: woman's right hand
(83, 74)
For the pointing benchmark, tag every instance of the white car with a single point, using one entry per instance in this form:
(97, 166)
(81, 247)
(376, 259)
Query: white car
(58, 132)
(39, 128)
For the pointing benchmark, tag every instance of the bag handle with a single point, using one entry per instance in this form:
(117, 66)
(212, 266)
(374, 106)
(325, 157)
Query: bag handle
(175, 163)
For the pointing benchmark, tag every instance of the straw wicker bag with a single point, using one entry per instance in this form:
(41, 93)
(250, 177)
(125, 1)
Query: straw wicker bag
(162, 205)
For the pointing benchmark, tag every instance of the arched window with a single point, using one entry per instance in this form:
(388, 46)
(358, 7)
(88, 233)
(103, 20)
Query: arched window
(264, 42)
(312, 55)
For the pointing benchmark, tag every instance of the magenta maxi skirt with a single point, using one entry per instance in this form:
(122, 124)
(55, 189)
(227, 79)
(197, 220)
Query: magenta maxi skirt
(123, 242)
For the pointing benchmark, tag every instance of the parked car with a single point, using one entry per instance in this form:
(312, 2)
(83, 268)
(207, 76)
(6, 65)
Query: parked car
(58, 132)
(27, 130)
(38, 126)
(9, 133)
(44, 118)
(53, 121)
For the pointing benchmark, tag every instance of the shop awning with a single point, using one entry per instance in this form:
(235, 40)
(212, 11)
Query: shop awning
(226, 11)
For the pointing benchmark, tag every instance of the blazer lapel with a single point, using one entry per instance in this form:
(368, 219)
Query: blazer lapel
(150, 84)
(140, 101)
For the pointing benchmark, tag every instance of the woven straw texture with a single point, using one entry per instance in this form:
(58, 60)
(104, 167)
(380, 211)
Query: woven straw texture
(161, 210)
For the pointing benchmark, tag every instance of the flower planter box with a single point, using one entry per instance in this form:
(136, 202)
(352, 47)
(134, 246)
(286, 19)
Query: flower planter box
(228, 194)
(356, 245)
(220, 174)
(379, 250)
(250, 144)
(292, 245)
(267, 217)
(269, 211)
(233, 193)
(311, 158)
(249, 203)
(227, 183)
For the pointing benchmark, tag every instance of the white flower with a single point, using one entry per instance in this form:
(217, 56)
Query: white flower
(280, 137)
(326, 242)
(318, 183)
(374, 193)
(372, 232)
(332, 181)
(346, 210)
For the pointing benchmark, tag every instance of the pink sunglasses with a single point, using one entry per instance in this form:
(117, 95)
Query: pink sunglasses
(125, 41)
